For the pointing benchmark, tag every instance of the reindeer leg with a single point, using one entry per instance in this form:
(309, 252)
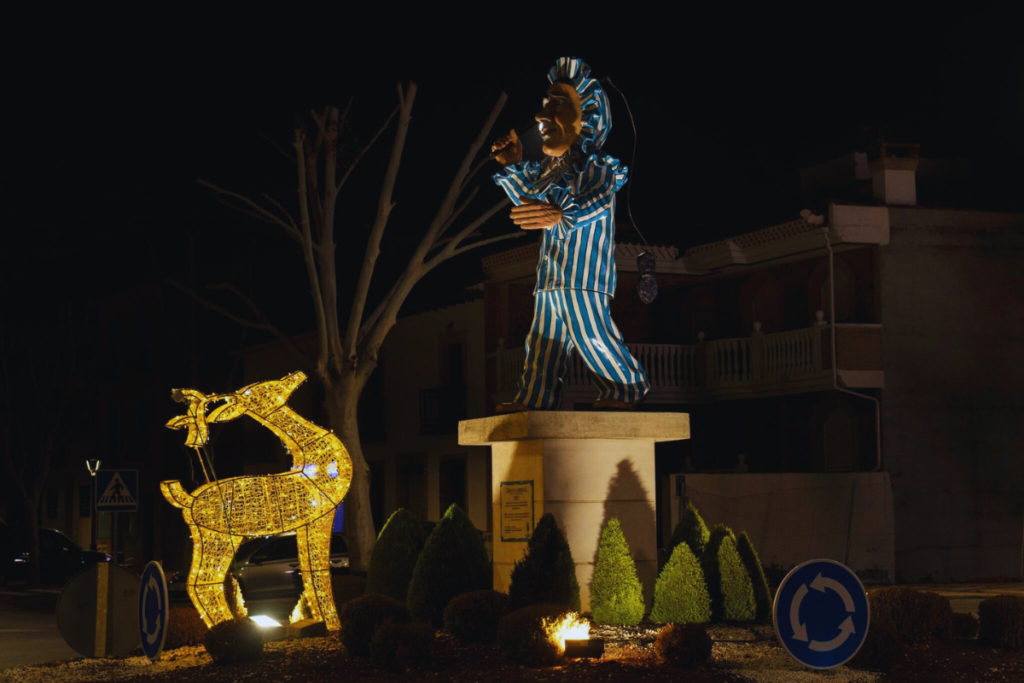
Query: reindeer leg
(212, 553)
(315, 561)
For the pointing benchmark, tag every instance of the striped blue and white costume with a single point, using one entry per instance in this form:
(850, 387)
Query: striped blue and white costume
(576, 273)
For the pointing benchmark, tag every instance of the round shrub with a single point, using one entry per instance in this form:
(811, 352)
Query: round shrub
(616, 596)
(917, 616)
(685, 646)
(394, 555)
(399, 647)
(729, 586)
(680, 595)
(752, 563)
(361, 617)
(691, 530)
(522, 638)
(347, 587)
(964, 626)
(453, 561)
(184, 627)
(237, 641)
(547, 573)
(882, 649)
(473, 617)
(1002, 622)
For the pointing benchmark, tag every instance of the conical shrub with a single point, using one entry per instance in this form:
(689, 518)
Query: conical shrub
(680, 595)
(691, 530)
(732, 594)
(547, 573)
(752, 563)
(453, 561)
(616, 596)
(394, 556)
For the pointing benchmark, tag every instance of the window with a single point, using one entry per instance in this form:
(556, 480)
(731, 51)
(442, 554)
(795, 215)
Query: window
(844, 296)
(452, 479)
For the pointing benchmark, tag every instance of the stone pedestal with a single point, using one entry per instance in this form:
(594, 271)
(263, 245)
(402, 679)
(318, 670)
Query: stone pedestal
(584, 468)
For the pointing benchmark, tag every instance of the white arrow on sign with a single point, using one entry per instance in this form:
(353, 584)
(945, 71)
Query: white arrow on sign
(820, 584)
(799, 630)
(845, 631)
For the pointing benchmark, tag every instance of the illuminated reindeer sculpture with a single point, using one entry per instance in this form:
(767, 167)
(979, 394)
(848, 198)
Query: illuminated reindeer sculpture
(223, 513)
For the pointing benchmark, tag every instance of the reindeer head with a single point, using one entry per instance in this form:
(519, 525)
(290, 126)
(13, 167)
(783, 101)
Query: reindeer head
(262, 398)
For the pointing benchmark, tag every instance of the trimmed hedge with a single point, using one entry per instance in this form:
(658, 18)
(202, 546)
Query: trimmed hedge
(752, 563)
(965, 626)
(184, 627)
(237, 641)
(616, 596)
(691, 530)
(882, 649)
(394, 555)
(361, 617)
(399, 647)
(521, 635)
(453, 561)
(684, 646)
(729, 586)
(681, 595)
(346, 587)
(1002, 622)
(473, 617)
(917, 616)
(547, 573)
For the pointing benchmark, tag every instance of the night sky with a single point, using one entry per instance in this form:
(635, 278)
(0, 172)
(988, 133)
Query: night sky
(107, 132)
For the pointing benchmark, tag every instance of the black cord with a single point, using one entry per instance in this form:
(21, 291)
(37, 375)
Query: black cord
(632, 162)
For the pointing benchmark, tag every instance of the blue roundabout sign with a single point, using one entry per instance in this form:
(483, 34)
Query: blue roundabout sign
(821, 614)
(154, 610)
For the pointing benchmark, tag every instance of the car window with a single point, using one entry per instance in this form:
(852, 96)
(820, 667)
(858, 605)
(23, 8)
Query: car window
(262, 554)
(338, 545)
(284, 548)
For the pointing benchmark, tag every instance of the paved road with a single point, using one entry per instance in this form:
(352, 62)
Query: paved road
(28, 630)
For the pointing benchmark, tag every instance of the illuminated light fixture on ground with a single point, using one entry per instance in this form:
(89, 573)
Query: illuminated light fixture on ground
(263, 621)
(221, 514)
(569, 626)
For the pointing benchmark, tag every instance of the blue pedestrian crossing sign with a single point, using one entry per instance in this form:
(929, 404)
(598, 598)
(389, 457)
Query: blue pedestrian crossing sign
(117, 490)
(153, 610)
(821, 614)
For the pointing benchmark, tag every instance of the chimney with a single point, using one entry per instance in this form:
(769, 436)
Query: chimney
(893, 169)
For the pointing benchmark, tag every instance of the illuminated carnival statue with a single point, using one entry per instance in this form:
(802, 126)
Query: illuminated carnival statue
(223, 513)
(570, 197)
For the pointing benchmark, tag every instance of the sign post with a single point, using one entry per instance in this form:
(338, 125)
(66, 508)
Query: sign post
(116, 491)
(821, 614)
(154, 610)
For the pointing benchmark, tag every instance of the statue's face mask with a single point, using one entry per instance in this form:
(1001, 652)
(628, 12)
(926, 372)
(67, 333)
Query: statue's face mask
(561, 119)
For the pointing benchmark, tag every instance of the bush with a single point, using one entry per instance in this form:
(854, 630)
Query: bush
(184, 627)
(964, 626)
(729, 586)
(361, 617)
(691, 530)
(547, 573)
(522, 638)
(453, 561)
(347, 587)
(917, 616)
(685, 646)
(237, 641)
(395, 554)
(881, 650)
(752, 563)
(680, 595)
(401, 646)
(616, 596)
(473, 617)
(1002, 622)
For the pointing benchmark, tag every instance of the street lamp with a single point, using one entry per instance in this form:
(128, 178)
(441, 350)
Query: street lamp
(93, 466)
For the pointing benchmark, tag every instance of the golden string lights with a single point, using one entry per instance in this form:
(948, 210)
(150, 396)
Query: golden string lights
(221, 514)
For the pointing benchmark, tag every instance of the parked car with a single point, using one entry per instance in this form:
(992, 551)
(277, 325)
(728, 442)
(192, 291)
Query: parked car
(60, 557)
(266, 568)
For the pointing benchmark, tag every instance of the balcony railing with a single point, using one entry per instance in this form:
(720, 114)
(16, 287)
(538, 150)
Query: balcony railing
(441, 408)
(762, 364)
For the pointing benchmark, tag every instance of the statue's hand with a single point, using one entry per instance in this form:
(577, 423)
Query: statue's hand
(534, 215)
(508, 149)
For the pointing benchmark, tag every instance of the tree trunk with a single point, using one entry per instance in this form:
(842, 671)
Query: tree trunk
(35, 578)
(341, 401)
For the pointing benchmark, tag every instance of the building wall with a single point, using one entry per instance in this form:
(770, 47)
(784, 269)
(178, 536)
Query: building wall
(953, 409)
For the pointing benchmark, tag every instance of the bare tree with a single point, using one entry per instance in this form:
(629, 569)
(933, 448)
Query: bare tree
(347, 354)
(37, 397)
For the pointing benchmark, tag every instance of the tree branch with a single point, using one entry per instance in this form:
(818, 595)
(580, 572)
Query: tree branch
(455, 215)
(307, 255)
(262, 324)
(279, 148)
(452, 247)
(260, 211)
(366, 148)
